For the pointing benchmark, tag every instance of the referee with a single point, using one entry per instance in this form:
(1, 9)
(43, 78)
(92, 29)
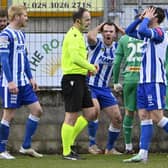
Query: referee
(76, 95)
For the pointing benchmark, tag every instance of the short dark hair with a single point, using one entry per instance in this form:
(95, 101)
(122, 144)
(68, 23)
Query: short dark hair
(160, 14)
(110, 24)
(3, 12)
(78, 14)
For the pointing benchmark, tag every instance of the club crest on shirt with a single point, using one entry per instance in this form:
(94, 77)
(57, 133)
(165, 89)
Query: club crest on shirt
(102, 49)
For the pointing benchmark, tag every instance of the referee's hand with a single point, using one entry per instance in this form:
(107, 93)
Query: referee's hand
(92, 73)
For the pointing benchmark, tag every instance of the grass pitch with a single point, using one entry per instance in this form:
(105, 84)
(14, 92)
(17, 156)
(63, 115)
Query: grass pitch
(92, 161)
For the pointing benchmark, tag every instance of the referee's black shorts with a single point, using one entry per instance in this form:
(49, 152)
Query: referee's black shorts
(76, 93)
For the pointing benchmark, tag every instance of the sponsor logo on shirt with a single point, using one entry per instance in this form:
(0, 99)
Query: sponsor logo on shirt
(105, 60)
(133, 68)
(20, 47)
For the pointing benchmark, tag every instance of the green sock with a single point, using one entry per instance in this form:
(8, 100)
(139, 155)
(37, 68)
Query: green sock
(80, 124)
(127, 128)
(66, 135)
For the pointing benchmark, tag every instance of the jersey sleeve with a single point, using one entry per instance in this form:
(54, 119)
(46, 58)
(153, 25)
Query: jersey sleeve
(166, 63)
(4, 55)
(117, 61)
(27, 67)
(155, 34)
(92, 47)
(132, 31)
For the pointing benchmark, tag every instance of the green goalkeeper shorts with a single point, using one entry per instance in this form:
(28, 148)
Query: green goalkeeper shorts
(166, 98)
(129, 94)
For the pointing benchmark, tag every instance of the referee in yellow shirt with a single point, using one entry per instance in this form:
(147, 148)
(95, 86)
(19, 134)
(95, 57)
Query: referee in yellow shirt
(77, 97)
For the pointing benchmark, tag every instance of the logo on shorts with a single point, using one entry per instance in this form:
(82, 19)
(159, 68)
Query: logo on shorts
(150, 100)
(13, 98)
(71, 83)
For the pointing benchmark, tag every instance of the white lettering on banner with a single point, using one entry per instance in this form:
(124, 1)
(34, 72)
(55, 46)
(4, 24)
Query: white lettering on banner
(44, 52)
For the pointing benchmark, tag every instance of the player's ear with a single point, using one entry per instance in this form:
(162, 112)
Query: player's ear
(78, 21)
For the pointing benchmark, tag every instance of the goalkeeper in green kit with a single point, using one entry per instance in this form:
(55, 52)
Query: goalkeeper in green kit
(129, 52)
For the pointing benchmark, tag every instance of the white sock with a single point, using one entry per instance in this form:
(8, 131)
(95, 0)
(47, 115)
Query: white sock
(128, 146)
(5, 122)
(143, 153)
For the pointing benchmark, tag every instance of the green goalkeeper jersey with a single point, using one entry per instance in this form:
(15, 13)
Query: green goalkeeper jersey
(129, 51)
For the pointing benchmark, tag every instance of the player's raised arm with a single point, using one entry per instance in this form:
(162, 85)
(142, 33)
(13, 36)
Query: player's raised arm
(92, 34)
(155, 33)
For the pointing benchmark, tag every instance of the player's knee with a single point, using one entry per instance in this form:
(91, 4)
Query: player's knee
(117, 122)
(8, 115)
(143, 116)
(38, 112)
(93, 115)
(10, 118)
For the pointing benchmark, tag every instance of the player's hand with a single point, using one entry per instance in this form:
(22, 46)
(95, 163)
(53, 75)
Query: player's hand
(141, 16)
(97, 68)
(13, 88)
(120, 29)
(117, 87)
(34, 84)
(92, 73)
(99, 27)
(150, 13)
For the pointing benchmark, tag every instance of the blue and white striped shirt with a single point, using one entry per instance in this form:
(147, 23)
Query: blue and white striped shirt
(13, 57)
(153, 50)
(103, 56)
(152, 67)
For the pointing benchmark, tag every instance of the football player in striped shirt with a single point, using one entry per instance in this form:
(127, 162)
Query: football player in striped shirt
(17, 86)
(102, 53)
(151, 89)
